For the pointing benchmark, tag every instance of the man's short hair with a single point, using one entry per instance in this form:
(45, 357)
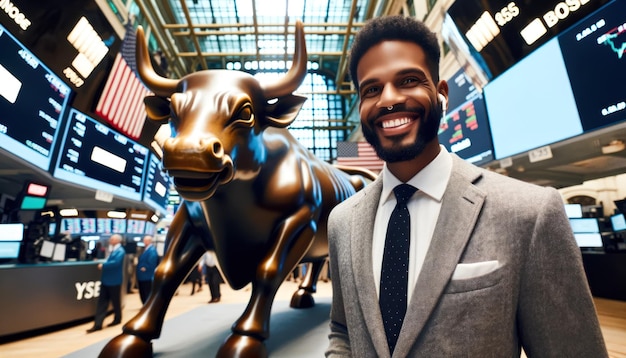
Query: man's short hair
(396, 27)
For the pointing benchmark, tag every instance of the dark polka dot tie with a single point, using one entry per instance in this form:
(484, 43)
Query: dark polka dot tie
(395, 269)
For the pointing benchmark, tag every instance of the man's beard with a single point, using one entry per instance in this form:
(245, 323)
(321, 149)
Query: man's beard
(429, 127)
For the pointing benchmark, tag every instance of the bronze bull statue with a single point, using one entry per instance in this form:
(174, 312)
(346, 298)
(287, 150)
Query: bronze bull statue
(251, 192)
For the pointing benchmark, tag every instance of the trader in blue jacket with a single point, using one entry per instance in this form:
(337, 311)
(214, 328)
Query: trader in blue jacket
(146, 264)
(111, 284)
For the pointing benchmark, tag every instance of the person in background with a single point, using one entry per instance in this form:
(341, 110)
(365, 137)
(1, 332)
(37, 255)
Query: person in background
(491, 267)
(111, 284)
(212, 275)
(195, 277)
(146, 264)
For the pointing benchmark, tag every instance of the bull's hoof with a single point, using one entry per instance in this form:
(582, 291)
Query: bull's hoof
(238, 346)
(127, 346)
(302, 299)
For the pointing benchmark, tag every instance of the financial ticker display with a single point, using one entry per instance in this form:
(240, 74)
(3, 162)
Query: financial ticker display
(465, 129)
(97, 157)
(32, 102)
(157, 186)
(594, 52)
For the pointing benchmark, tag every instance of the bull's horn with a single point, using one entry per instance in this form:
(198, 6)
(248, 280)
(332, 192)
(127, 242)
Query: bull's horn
(161, 86)
(291, 81)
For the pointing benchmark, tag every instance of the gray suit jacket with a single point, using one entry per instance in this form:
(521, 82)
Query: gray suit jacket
(536, 298)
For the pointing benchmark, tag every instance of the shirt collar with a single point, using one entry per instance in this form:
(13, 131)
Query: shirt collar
(432, 180)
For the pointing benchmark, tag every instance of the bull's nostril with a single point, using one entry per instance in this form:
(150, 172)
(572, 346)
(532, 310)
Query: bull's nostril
(217, 148)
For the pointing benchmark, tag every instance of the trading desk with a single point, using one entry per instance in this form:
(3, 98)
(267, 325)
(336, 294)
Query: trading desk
(606, 274)
(47, 294)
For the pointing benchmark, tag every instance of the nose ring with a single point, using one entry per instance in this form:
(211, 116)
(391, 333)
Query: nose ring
(389, 108)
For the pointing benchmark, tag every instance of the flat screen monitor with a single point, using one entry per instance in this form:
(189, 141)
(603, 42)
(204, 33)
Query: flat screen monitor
(104, 225)
(34, 196)
(574, 210)
(100, 158)
(618, 222)
(11, 236)
(589, 240)
(157, 186)
(465, 129)
(118, 226)
(136, 226)
(52, 227)
(532, 104)
(584, 225)
(33, 101)
(597, 44)
(150, 228)
(71, 225)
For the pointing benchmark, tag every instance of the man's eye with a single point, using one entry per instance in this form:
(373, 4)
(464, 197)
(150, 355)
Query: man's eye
(409, 81)
(370, 91)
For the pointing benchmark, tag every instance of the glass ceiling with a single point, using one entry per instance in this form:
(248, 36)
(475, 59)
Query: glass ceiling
(206, 34)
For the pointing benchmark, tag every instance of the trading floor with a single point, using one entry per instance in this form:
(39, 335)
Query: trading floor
(73, 342)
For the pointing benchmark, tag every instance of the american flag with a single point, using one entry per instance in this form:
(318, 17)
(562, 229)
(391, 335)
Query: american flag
(121, 103)
(358, 154)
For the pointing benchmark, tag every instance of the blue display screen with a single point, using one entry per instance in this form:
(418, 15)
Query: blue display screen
(97, 157)
(33, 100)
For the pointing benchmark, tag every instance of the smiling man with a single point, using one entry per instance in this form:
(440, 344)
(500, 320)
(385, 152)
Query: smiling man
(438, 257)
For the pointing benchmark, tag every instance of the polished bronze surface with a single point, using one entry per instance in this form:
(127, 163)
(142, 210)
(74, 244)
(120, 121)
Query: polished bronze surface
(251, 192)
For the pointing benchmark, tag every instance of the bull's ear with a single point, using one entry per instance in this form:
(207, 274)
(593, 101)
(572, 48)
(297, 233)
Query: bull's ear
(157, 108)
(284, 111)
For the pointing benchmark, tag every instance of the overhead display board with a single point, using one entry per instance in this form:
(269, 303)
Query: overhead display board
(33, 100)
(570, 86)
(502, 32)
(97, 157)
(157, 186)
(594, 53)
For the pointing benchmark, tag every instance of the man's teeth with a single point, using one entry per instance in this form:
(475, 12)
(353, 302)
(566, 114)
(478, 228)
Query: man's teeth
(395, 122)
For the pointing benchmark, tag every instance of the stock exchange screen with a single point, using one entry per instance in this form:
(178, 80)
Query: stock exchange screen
(594, 52)
(465, 129)
(95, 156)
(157, 186)
(33, 101)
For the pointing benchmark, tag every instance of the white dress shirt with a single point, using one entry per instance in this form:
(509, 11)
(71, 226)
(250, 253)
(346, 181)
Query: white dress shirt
(424, 207)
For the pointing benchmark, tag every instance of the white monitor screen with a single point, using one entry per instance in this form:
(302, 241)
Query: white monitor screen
(588, 239)
(545, 114)
(9, 249)
(584, 225)
(11, 232)
(574, 210)
(618, 222)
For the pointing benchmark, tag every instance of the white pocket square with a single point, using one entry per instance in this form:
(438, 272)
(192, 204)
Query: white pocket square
(476, 269)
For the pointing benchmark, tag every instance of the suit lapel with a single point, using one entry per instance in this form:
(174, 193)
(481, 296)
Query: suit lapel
(461, 205)
(361, 249)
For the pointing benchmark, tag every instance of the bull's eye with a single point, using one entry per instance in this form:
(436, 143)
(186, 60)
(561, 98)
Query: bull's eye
(244, 116)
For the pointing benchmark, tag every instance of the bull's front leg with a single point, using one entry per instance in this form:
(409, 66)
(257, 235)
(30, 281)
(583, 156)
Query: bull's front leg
(293, 238)
(183, 253)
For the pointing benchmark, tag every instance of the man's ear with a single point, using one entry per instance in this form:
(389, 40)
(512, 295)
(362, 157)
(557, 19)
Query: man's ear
(442, 96)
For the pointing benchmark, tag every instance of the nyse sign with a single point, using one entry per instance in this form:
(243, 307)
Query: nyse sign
(87, 290)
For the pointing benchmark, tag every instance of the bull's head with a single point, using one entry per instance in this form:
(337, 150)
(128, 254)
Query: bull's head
(219, 117)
